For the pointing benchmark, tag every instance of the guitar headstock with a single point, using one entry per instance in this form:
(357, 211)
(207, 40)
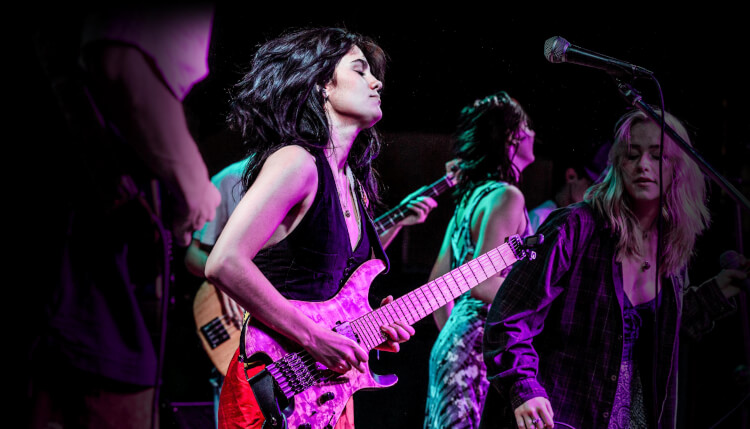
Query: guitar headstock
(524, 247)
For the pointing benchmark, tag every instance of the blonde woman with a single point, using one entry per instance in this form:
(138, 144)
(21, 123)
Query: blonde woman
(569, 340)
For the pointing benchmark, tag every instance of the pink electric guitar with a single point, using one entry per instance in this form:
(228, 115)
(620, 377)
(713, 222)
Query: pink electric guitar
(219, 330)
(315, 396)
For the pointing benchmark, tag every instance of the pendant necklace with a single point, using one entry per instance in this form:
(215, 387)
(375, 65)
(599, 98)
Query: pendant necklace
(345, 202)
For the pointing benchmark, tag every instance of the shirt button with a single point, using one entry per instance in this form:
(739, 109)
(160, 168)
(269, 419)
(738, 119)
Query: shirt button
(605, 414)
(613, 378)
(619, 337)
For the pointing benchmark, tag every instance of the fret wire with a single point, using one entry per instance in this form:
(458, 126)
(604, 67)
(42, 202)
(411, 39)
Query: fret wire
(387, 313)
(358, 333)
(452, 284)
(477, 262)
(368, 318)
(399, 306)
(422, 302)
(457, 282)
(377, 328)
(429, 308)
(489, 257)
(434, 286)
(498, 257)
(468, 267)
(429, 287)
(383, 321)
(371, 337)
(379, 318)
(414, 307)
(389, 309)
(363, 333)
(504, 261)
(447, 286)
(404, 307)
(487, 264)
(374, 329)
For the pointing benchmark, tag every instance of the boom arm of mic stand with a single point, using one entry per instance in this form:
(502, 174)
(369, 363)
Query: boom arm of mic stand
(636, 100)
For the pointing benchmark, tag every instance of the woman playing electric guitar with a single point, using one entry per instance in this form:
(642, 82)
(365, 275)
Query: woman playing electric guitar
(306, 111)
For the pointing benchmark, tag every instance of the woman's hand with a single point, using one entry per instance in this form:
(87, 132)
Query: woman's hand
(419, 209)
(336, 352)
(398, 332)
(534, 414)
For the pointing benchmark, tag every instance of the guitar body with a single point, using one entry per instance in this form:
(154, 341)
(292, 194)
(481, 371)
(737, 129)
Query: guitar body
(219, 333)
(321, 405)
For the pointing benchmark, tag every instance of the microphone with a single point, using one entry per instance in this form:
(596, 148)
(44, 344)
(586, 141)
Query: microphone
(731, 260)
(559, 50)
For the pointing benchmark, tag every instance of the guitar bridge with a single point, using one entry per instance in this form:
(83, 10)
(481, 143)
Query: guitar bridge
(294, 373)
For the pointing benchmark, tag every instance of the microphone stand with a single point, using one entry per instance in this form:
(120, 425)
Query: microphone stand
(634, 98)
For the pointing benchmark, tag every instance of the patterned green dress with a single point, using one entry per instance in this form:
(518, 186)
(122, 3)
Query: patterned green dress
(457, 375)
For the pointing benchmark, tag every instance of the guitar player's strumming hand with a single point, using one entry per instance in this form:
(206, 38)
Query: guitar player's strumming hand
(335, 351)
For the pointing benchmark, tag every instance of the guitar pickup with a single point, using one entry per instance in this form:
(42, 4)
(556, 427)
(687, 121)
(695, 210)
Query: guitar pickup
(215, 333)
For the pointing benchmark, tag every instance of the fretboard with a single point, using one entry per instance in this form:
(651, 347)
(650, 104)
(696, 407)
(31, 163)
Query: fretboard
(424, 300)
(398, 213)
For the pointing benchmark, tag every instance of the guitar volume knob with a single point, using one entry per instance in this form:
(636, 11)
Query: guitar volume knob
(326, 397)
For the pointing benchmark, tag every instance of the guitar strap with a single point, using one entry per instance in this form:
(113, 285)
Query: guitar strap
(264, 388)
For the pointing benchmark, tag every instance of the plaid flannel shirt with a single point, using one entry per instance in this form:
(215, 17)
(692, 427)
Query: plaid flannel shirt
(555, 328)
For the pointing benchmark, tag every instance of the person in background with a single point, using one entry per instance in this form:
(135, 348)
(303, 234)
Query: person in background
(137, 185)
(586, 334)
(571, 177)
(494, 143)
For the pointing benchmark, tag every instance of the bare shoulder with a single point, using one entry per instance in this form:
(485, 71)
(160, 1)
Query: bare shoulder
(290, 170)
(292, 161)
(293, 157)
(505, 197)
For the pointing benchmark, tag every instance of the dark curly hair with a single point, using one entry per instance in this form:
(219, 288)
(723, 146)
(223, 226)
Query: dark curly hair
(485, 130)
(276, 103)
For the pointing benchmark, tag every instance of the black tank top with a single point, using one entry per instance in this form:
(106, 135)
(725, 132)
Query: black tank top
(316, 258)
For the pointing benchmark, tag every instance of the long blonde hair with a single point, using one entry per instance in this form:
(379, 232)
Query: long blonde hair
(684, 214)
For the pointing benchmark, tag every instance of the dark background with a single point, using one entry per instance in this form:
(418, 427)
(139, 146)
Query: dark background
(441, 61)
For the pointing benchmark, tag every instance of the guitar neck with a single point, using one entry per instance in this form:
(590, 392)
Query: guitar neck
(398, 213)
(419, 303)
